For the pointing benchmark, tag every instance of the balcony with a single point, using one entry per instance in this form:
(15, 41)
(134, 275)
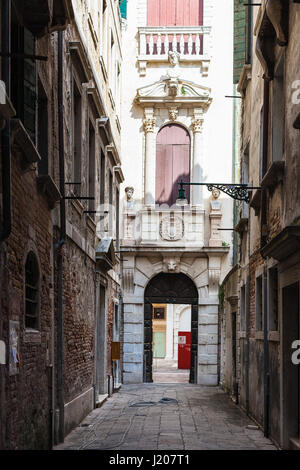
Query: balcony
(190, 42)
(161, 228)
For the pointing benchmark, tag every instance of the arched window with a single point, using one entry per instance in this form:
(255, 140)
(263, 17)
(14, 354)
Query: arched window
(172, 163)
(32, 291)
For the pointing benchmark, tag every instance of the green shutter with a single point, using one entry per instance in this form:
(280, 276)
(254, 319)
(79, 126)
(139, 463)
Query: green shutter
(240, 17)
(123, 8)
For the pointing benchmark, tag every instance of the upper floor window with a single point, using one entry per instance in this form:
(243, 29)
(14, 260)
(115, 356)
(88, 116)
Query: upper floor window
(23, 75)
(175, 13)
(43, 132)
(278, 111)
(172, 163)
(32, 287)
(77, 138)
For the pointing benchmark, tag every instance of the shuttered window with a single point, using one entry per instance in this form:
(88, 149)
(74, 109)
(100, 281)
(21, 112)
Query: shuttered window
(172, 163)
(24, 78)
(175, 13)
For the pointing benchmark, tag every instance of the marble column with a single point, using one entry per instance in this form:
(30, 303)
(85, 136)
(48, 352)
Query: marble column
(197, 173)
(150, 157)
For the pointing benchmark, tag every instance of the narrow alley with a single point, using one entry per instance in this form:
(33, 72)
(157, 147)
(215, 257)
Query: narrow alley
(149, 226)
(167, 416)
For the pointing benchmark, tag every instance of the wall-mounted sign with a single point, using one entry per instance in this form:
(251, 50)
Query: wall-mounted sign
(14, 351)
(115, 350)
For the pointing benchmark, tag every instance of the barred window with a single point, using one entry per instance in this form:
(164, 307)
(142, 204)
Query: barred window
(32, 285)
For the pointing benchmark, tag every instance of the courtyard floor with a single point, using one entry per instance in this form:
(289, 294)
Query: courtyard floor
(167, 416)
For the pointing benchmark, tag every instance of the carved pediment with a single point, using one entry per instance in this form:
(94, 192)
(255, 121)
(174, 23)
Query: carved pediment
(174, 90)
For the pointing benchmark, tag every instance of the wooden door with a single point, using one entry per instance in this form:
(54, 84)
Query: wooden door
(184, 350)
(172, 163)
(148, 354)
(291, 373)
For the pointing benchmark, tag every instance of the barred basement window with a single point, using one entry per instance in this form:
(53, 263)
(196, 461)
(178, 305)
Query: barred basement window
(32, 281)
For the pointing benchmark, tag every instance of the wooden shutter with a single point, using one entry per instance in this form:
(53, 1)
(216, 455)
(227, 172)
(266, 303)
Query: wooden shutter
(172, 163)
(175, 12)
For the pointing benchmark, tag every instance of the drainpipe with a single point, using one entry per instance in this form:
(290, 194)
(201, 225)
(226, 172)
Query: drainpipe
(5, 230)
(266, 358)
(263, 243)
(59, 246)
(247, 351)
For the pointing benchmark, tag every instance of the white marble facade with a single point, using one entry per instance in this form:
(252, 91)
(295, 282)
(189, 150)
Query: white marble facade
(187, 91)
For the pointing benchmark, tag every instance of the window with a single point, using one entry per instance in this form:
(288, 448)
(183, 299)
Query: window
(32, 280)
(43, 130)
(104, 31)
(23, 75)
(273, 299)
(172, 163)
(123, 8)
(261, 144)
(243, 308)
(278, 112)
(91, 170)
(117, 218)
(159, 313)
(116, 332)
(175, 12)
(77, 133)
(111, 211)
(249, 35)
(102, 191)
(259, 303)
(245, 180)
(112, 65)
(118, 90)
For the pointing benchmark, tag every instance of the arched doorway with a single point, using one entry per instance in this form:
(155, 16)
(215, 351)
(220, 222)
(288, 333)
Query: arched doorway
(172, 163)
(168, 288)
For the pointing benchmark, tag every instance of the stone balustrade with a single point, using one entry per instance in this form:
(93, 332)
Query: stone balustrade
(188, 41)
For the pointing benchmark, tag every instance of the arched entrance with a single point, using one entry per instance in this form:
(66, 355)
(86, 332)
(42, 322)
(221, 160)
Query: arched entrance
(172, 163)
(168, 288)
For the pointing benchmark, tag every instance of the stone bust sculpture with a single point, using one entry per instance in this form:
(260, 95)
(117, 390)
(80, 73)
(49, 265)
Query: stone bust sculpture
(215, 204)
(130, 202)
(173, 57)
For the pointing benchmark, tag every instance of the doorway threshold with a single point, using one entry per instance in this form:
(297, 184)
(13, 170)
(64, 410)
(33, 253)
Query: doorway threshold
(101, 399)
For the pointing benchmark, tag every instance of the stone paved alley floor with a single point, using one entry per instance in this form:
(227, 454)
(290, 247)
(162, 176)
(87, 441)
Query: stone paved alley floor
(201, 418)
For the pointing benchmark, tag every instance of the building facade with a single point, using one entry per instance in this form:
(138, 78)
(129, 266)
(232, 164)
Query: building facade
(260, 321)
(176, 125)
(60, 185)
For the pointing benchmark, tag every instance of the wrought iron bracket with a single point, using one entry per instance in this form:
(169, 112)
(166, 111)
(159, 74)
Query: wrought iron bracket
(239, 192)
